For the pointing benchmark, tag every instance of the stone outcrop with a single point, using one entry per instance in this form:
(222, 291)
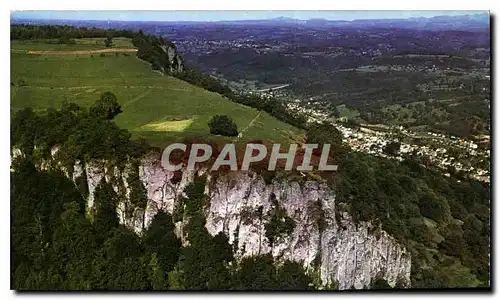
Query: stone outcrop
(175, 61)
(349, 254)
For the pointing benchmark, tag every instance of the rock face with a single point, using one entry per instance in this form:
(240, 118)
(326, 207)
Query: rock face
(175, 61)
(351, 255)
(342, 251)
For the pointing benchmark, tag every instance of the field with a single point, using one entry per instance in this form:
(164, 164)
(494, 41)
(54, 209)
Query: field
(80, 44)
(159, 108)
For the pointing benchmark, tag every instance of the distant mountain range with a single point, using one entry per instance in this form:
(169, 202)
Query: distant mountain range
(475, 21)
(479, 21)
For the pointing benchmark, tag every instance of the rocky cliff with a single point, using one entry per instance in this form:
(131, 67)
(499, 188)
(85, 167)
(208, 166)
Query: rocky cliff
(340, 251)
(161, 54)
(349, 254)
(175, 61)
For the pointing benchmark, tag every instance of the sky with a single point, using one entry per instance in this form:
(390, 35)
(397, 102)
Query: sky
(228, 15)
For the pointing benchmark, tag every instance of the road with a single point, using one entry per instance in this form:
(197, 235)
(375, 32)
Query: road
(274, 88)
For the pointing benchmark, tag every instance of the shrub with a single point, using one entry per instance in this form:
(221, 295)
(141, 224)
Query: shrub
(280, 224)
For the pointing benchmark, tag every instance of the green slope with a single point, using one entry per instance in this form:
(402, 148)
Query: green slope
(160, 108)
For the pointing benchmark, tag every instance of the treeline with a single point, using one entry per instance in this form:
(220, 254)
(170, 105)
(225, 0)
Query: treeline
(32, 32)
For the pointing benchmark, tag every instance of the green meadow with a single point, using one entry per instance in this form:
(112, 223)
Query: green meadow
(157, 107)
(80, 44)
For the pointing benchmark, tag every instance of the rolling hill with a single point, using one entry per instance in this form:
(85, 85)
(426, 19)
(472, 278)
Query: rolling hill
(157, 107)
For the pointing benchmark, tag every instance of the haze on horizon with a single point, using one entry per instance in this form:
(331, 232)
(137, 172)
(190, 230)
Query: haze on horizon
(211, 16)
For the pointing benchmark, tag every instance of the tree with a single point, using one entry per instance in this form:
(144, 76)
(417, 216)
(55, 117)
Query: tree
(108, 41)
(222, 250)
(157, 275)
(138, 193)
(203, 263)
(161, 240)
(105, 202)
(291, 276)
(72, 249)
(24, 126)
(38, 230)
(258, 273)
(279, 226)
(434, 207)
(196, 198)
(223, 125)
(106, 107)
(120, 262)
